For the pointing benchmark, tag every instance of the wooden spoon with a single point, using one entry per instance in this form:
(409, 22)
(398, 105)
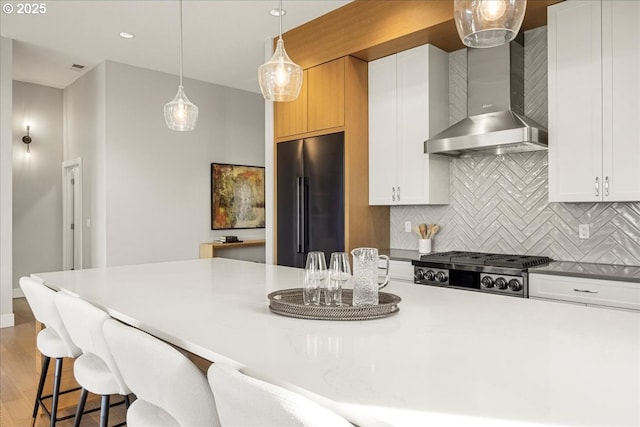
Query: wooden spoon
(428, 235)
(423, 230)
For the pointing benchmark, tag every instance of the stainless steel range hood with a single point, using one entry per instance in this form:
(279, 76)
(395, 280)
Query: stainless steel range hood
(496, 123)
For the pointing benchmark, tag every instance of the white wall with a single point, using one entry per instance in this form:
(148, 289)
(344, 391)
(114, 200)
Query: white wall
(37, 180)
(84, 137)
(158, 180)
(147, 188)
(6, 190)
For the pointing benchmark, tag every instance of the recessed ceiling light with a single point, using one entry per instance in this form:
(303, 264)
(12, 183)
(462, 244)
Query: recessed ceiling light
(126, 35)
(277, 12)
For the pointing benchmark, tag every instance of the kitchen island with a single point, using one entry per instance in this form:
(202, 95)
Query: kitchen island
(449, 357)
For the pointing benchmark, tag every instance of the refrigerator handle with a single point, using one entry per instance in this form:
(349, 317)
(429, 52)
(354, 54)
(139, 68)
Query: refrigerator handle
(305, 216)
(300, 215)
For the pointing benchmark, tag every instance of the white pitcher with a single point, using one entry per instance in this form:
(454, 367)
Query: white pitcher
(365, 276)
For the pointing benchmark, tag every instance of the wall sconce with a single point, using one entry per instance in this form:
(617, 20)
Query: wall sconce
(27, 140)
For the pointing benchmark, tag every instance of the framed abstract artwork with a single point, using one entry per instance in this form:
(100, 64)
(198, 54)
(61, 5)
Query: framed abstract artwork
(237, 196)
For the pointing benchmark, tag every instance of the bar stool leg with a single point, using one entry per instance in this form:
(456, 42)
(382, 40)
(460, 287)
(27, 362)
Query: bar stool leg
(43, 377)
(56, 391)
(80, 408)
(104, 411)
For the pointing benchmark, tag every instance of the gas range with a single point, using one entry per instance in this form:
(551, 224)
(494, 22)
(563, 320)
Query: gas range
(482, 272)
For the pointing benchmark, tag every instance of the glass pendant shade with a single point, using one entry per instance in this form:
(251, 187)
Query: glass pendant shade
(280, 78)
(488, 23)
(180, 113)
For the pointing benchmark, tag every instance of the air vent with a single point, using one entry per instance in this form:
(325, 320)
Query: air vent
(77, 67)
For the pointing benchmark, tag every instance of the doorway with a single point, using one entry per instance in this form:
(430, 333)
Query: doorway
(72, 214)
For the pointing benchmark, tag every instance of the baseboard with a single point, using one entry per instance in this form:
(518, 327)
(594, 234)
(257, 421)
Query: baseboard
(17, 293)
(7, 320)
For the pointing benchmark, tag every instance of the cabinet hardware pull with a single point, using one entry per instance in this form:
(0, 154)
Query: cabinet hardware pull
(398, 193)
(393, 194)
(606, 185)
(586, 291)
(597, 186)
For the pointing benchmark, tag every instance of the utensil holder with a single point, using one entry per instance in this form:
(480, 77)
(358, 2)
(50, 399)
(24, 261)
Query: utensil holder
(424, 246)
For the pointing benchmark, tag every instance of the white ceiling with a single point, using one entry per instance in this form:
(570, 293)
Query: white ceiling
(224, 40)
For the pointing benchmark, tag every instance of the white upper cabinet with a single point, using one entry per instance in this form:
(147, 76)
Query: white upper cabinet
(594, 101)
(408, 103)
(621, 100)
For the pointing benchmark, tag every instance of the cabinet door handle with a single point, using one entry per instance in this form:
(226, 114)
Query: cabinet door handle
(393, 194)
(586, 291)
(597, 186)
(398, 193)
(606, 185)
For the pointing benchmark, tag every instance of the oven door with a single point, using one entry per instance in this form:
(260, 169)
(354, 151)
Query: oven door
(464, 279)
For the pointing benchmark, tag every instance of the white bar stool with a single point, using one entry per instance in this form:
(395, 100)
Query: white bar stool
(246, 401)
(95, 370)
(53, 342)
(170, 389)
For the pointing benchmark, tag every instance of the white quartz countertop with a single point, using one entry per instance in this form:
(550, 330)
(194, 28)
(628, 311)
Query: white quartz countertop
(449, 357)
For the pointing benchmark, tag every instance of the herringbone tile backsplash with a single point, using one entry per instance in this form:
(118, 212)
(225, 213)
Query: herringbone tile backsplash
(500, 203)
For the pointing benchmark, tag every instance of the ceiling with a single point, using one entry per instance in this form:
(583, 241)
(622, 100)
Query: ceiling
(224, 40)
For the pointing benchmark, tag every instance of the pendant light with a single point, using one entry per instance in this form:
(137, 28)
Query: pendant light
(280, 78)
(488, 23)
(180, 114)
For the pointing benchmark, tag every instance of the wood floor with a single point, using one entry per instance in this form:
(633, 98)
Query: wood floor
(19, 379)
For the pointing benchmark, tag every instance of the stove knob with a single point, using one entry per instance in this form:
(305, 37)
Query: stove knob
(419, 274)
(441, 277)
(501, 283)
(429, 275)
(514, 285)
(487, 282)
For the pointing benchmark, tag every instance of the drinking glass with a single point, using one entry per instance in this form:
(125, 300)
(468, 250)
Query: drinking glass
(315, 277)
(339, 276)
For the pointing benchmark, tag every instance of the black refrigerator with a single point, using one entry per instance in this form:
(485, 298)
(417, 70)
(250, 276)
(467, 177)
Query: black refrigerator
(310, 198)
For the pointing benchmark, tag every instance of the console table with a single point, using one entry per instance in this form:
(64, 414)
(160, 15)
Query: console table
(207, 250)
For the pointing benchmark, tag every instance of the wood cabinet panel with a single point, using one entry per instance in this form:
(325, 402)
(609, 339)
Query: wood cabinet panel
(371, 30)
(320, 105)
(291, 117)
(325, 101)
(366, 226)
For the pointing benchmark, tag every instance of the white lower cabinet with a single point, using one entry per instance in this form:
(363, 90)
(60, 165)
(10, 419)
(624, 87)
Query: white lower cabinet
(408, 103)
(401, 270)
(596, 292)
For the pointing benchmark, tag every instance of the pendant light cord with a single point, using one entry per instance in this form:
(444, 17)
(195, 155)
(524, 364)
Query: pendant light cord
(280, 38)
(181, 42)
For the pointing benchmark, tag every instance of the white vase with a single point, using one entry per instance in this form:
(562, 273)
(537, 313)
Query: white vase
(424, 246)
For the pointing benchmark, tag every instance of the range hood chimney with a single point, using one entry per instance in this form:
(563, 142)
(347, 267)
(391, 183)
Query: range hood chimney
(496, 123)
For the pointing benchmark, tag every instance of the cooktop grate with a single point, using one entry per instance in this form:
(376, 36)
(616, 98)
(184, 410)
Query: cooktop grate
(488, 259)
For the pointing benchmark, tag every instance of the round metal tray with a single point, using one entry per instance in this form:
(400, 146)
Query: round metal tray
(288, 302)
